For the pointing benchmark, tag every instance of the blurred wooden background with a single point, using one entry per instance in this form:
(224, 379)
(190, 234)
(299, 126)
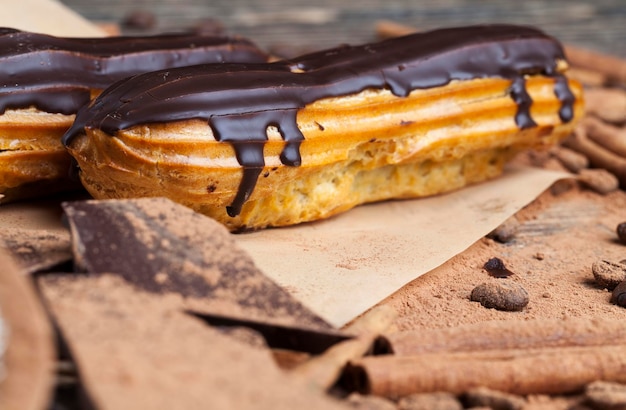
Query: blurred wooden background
(598, 24)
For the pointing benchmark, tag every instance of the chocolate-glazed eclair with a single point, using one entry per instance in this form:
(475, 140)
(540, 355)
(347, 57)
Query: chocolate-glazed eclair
(259, 145)
(44, 80)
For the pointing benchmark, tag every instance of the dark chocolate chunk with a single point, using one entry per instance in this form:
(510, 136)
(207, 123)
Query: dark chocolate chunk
(162, 247)
(495, 267)
(139, 350)
(37, 250)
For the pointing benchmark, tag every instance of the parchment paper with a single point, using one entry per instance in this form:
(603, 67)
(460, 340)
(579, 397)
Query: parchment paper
(341, 267)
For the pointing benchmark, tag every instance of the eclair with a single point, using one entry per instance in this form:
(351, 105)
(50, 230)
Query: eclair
(276, 144)
(45, 80)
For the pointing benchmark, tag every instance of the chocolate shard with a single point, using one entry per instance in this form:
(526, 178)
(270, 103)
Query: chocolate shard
(282, 337)
(162, 247)
(27, 350)
(138, 350)
(36, 250)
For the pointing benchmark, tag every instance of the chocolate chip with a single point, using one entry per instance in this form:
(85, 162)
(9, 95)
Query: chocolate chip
(501, 295)
(621, 232)
(618, 297)
(495, 267)
(608, 274)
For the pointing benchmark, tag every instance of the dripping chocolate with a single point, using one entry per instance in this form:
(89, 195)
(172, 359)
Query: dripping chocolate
(235, 97)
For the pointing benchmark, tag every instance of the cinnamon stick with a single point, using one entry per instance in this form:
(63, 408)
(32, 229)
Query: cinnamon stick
(536, 371)
(608, 136)
(590, 78)
(613, 67)
(542, 356)
(608, 104)
(510, 334)
(598, 156)
(321, 372)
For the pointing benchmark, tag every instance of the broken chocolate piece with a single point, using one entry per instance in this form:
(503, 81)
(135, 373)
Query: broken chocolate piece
(35, 250)
(282, 337)
(26, 377)
(496, 268)
(162, 247)
(136, 349)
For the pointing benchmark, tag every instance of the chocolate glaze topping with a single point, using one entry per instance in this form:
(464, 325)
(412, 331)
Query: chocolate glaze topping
(56, 74)
(239, 101)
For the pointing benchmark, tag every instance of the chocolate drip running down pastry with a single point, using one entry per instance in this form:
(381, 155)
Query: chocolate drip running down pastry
(257, 145)
(45, 80)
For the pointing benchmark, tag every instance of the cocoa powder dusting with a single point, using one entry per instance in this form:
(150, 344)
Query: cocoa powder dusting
(570, 231)
(163, 247)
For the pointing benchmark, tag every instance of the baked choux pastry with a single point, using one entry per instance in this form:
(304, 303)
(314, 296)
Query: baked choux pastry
(275, 144)
(45, 80)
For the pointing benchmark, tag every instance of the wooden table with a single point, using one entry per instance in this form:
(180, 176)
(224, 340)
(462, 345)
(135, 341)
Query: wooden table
(600, 25)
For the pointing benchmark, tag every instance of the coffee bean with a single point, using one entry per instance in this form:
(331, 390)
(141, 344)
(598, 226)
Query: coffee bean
(501, 295)
(506, 231)
(608, 274)
(618, 297)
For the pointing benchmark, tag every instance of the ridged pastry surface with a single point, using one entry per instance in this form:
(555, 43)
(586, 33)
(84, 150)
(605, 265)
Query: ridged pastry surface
(325, 146)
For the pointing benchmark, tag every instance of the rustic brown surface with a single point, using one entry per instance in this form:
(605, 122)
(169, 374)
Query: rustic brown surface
(298, 24)
(559, 238)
